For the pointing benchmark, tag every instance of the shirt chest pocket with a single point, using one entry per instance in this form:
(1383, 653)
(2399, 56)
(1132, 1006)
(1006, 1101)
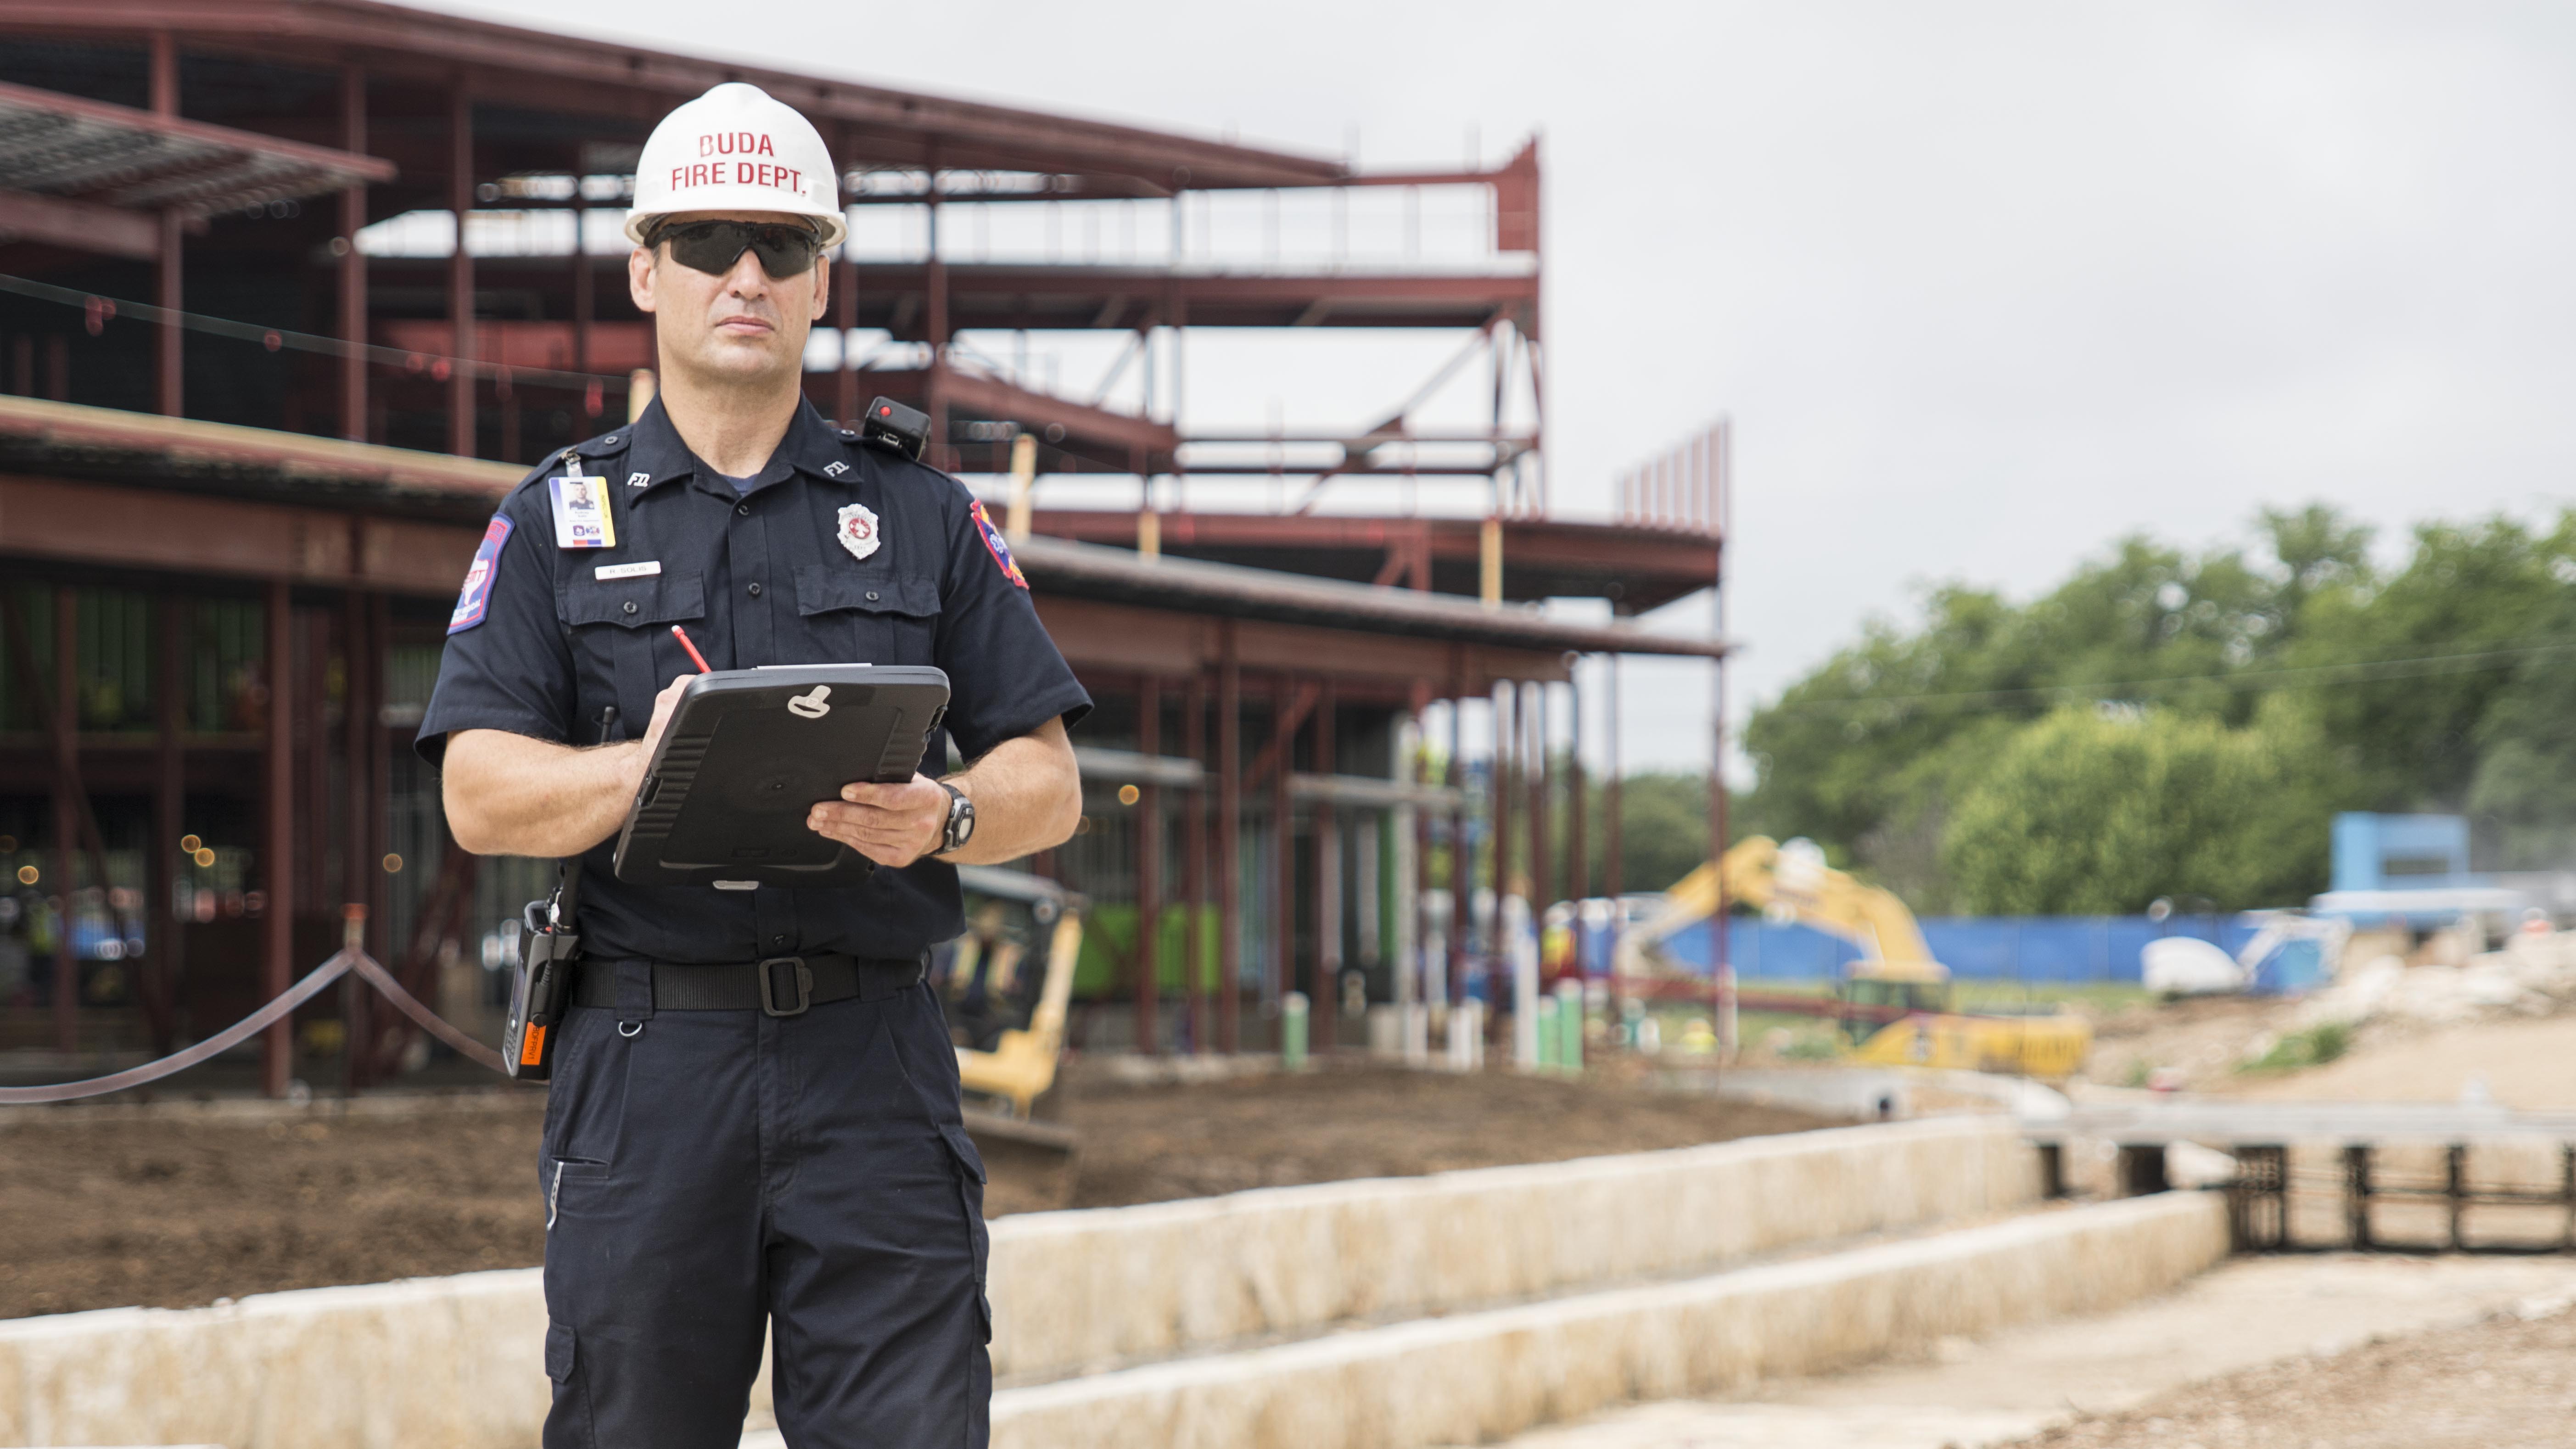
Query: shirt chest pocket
(623, 651)
(848, 617)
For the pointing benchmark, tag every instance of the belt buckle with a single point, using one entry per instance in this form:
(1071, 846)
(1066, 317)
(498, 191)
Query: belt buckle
(803, 978)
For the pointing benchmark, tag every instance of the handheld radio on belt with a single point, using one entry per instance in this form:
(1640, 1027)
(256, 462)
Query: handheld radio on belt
(548, 949)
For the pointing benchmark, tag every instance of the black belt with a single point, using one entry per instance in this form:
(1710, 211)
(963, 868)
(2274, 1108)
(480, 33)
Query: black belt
(780, 986)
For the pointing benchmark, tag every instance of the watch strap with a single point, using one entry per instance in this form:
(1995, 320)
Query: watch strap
(959, 808)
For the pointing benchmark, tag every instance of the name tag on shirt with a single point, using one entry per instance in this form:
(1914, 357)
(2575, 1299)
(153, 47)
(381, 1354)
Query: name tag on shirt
(582, 519)
(645, 570)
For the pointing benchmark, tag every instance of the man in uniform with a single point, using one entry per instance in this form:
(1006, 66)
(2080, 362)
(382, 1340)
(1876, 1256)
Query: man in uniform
(717, 1159)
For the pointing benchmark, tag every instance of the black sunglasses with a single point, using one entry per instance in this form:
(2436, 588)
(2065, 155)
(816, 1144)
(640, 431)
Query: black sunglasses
(784, 248)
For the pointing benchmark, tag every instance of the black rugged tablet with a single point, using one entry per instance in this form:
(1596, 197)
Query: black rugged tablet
(749, 751)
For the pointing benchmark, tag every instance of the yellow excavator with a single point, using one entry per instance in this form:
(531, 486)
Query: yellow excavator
(1895, 1004)
(1007, 1018)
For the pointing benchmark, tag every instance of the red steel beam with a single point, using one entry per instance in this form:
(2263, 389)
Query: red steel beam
(995, 398)
(596, 77)
(80, 225)
(188, 533)
(287, 455)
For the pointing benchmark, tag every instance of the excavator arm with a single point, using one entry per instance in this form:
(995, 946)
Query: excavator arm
(1794, 880)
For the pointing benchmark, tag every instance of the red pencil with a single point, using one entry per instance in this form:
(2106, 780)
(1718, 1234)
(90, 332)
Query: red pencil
(695, 657)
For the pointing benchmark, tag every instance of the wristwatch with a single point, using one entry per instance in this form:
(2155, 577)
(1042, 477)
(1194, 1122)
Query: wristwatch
(961, 820)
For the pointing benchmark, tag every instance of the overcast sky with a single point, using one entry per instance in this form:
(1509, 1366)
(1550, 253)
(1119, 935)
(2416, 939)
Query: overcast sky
(1982, 285)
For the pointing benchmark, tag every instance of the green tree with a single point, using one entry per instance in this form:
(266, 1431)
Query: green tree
(2100, 811)
(2442, 685)
(2432, 655)
(1867, 754)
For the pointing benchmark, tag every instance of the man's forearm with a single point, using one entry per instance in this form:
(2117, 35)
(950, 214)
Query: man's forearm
(508, 794)
(1027, 794)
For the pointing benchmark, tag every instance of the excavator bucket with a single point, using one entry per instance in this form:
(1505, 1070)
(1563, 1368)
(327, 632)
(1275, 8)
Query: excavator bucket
(1038, 1160)
(1013, 1026)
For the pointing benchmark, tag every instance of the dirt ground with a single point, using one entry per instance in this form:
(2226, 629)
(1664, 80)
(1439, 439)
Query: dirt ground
(177, 1209)
(2519, 1061)
(2502, 1382)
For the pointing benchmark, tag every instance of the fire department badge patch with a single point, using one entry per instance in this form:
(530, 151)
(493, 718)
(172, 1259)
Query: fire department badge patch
(477, 593)
(858, 530)
(1001, 550)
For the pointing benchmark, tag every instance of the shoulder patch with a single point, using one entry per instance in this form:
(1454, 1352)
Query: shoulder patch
(477, 593)
(1000, 548)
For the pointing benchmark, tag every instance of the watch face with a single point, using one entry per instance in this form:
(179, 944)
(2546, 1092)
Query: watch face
(961, 822)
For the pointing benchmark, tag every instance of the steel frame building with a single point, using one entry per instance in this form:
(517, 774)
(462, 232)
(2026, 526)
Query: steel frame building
(243, 461)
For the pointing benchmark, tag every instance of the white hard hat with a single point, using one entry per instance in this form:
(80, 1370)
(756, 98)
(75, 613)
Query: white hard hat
(736, 149)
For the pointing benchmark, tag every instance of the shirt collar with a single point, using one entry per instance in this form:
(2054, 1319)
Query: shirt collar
(656, 453)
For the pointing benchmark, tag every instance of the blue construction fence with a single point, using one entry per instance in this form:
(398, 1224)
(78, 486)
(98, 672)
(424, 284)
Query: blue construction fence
(1975, 948)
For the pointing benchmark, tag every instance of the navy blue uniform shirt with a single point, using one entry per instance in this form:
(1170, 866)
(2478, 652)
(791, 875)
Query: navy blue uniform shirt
(541, 644)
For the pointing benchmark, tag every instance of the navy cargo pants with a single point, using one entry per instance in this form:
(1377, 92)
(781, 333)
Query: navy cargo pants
(709, 1173)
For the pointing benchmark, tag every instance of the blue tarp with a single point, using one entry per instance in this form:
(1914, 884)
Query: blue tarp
(1975, 948)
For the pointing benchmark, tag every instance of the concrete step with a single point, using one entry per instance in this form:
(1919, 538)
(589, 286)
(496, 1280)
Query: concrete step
(1473, 1377)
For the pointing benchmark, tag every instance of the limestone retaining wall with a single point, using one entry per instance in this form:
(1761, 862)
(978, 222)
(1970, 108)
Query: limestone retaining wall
(454, 1363)
(1082, 1290)
(434, 1363)
(1477, 1377)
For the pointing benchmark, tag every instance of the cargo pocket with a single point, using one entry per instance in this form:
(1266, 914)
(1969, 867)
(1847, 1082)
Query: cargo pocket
(559, 1352)
(856, 617)
(621, 631)
(970, 1197)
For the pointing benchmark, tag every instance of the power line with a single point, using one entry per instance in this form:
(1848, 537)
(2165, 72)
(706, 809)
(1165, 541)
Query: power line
(2256, 680)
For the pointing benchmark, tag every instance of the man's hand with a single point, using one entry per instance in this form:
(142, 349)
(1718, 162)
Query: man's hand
(663, 705)
(893, 825)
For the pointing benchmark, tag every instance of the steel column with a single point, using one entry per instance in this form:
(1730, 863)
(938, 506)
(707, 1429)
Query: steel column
(313, 756)
(277, 845)
(1536, 781)
(1499, 785)
(353, 263)
(1416, 965)
(1194, 868)
(380, 778)
(845, 316)
(66, 815)
(1462, 858)
(1283, 844)
(1149, 865)
(1611, 844)
(935, 399)
(359, 870)
(1327, 1004)
(1229, 840)
(460, 271)
(1578, 864)
(166, 354)
(161, 926)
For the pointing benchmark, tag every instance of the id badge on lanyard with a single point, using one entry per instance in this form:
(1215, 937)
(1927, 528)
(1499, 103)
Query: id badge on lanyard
(582, 516)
